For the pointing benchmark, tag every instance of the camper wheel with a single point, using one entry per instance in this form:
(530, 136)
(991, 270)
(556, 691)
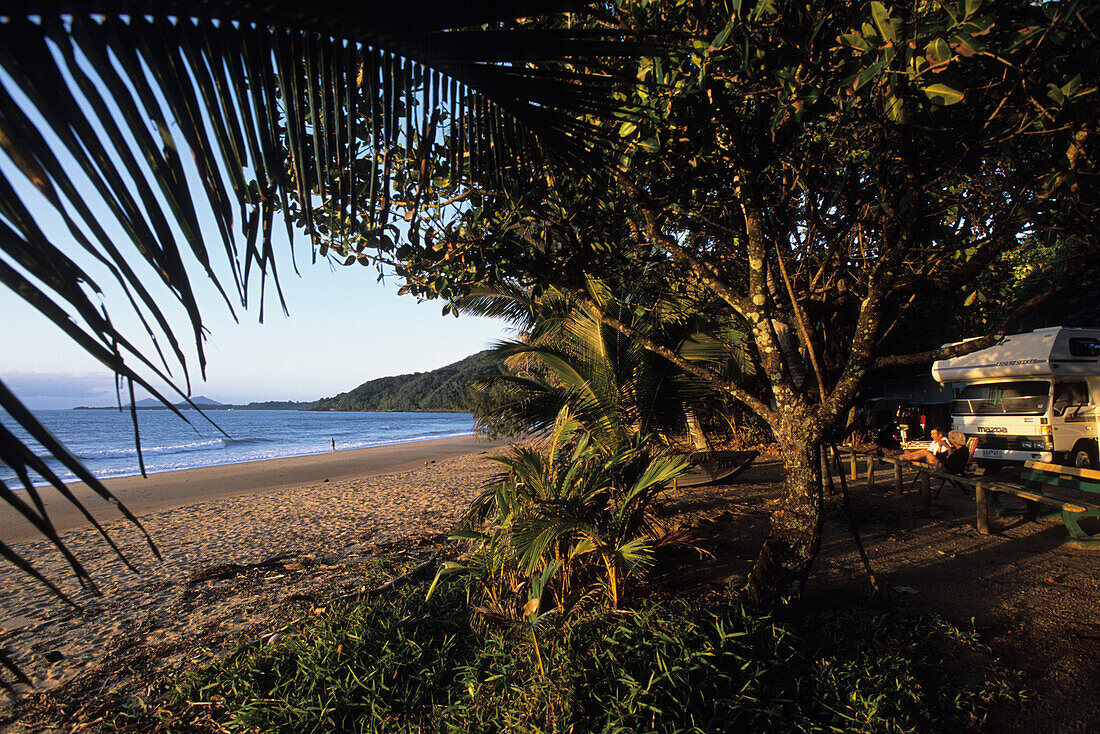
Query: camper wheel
(1083, 455)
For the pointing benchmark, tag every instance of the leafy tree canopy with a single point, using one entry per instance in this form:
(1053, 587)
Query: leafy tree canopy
(819, 170)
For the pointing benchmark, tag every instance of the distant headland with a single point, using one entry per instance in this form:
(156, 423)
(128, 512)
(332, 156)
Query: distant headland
(205, 403)
(442, 390)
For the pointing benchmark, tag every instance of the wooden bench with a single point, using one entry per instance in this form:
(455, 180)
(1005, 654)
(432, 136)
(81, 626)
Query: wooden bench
(1038, 481)
(1047, 477)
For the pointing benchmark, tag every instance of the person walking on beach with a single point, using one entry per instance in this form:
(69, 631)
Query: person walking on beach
(333, 444)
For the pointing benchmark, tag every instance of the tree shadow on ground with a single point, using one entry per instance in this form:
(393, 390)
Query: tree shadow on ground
(1032, 598)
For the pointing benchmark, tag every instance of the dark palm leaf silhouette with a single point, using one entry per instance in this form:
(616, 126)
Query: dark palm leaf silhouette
(133, 123)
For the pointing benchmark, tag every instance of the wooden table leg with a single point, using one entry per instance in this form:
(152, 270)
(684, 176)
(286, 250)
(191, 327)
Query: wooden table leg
(981, 499)
(899, 486)
(925, 490)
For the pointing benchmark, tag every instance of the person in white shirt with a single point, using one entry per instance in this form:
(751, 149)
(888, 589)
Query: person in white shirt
(937, 449)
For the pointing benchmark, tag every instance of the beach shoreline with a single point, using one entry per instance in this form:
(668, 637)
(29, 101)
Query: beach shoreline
(235, 569)
(163, 491)
(234, 542)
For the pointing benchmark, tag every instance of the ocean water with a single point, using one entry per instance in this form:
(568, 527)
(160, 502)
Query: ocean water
(104, 439)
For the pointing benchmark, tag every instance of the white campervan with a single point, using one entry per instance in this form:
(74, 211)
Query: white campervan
(1031, 397)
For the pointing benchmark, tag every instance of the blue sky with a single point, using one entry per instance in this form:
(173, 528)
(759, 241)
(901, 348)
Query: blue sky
(344, 327)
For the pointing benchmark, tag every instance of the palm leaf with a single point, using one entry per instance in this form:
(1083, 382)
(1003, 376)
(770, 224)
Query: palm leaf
(615, 387)
(274, 104)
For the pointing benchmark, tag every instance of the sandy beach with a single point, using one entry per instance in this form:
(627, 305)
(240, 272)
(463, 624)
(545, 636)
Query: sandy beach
(235, 541)
(169, 490)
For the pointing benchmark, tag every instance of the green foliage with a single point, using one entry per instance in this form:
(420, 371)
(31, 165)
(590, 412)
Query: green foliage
(615, 387)
(126, 126)
(363, 667)
(1017, 276)
(563, 526)
(406, 664)
(817, 169)
(444, 389)
(905, 147)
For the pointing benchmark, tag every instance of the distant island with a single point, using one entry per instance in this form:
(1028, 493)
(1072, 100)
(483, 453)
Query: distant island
(439, 391)
(206, 403)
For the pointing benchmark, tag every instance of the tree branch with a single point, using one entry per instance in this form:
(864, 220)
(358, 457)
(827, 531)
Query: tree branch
(704, 271)
(800, 319)
(973, 345)
(954, 350)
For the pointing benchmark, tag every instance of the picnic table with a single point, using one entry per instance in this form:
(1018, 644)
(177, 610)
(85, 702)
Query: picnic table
(1067, 491)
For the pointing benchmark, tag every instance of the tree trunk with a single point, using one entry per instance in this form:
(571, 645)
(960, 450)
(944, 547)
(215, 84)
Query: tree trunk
(793, 541)
(695, 431)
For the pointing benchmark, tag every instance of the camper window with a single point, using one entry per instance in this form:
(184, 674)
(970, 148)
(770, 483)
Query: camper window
(1003, 398)
(1069, 395)
(1084, 347)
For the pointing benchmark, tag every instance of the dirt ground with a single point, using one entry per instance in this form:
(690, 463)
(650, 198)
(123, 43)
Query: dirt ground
(1033, 600)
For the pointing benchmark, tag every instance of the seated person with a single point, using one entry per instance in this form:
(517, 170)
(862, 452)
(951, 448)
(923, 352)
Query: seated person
(958, 455)
(953, 460)
(931, 455)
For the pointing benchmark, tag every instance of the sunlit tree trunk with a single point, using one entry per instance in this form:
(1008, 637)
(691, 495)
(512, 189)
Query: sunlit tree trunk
(794, 538)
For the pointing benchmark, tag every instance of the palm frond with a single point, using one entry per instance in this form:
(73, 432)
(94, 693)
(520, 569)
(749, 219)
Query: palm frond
(135, 121)
(572, 505)
(513, 304)
(615, 387)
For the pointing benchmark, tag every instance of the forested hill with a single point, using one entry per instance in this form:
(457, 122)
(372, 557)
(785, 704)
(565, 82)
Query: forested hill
(444, 389)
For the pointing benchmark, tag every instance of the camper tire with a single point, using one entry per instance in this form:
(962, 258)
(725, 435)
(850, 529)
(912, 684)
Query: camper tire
(1084, 456)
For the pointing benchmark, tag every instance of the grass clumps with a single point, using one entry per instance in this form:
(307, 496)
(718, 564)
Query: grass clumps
(405, 664)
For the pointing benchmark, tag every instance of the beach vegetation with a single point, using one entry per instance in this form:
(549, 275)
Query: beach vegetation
(410, 663)
(565, 356)
(569, 524)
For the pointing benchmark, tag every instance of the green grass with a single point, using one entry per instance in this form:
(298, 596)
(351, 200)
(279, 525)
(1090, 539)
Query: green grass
(403, 664)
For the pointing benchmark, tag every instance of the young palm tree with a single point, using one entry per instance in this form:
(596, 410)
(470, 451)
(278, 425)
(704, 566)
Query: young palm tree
(565, 522)
(616, 388)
